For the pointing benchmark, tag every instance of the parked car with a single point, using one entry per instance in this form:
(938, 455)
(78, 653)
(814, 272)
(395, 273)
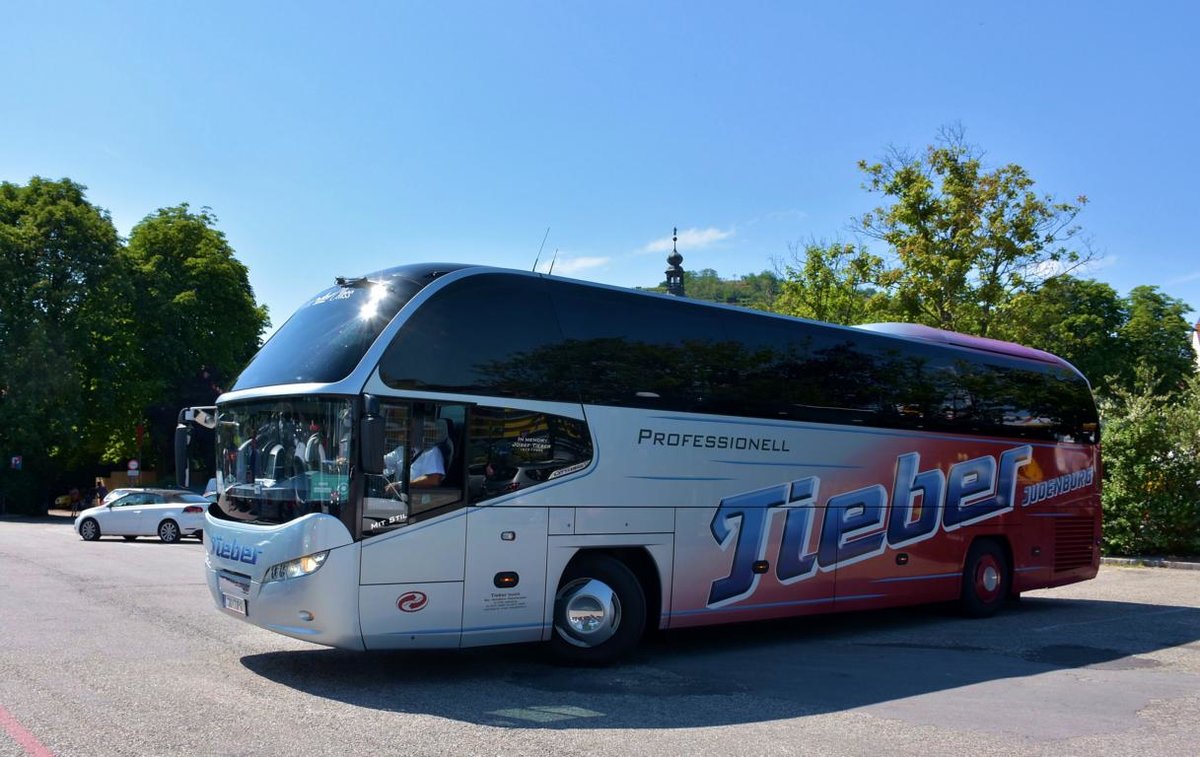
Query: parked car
(112, 495)
(168, 513)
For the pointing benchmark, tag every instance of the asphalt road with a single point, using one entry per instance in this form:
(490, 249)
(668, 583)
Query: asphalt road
(113, 648)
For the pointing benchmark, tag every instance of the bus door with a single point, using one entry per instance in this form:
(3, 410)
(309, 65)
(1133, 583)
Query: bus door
(414, 529)
(509, 451)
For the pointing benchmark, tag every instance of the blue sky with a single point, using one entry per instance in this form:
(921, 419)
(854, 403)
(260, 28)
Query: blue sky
(338, 139)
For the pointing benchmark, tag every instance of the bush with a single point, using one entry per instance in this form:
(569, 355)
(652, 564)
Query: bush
(1151, 453)
(20, 494)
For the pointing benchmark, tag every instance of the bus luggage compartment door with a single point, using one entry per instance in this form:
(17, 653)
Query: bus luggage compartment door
(505, 545)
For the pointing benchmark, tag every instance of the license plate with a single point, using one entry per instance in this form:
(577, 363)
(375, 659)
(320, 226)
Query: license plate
(237, 604)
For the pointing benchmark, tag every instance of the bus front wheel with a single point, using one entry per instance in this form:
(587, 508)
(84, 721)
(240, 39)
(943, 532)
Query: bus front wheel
(986, 579)
(599, 611)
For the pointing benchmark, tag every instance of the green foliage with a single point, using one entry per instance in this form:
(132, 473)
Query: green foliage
(754, 290)
(1151, 452)
(195, 305)
(964, 240)
(1076, 319)
(1156, 336)
(834, 282)
(97, 337)
(58, 268)
(1108, 338)
(196, 317)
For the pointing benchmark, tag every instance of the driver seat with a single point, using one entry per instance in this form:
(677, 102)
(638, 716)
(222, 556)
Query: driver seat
(445, 442)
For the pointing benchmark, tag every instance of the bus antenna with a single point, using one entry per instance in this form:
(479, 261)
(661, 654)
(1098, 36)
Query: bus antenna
(552, 260)
(540, 247)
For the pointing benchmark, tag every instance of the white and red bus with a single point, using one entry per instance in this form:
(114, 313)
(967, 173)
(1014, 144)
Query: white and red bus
(448, 455)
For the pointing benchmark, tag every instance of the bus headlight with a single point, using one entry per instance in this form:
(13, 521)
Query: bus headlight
(301, 566)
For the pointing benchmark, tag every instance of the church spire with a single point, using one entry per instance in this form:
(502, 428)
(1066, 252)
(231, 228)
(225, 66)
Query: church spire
(675, 271)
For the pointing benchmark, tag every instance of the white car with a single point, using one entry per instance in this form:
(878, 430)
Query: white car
(170, 514)
(117, 493)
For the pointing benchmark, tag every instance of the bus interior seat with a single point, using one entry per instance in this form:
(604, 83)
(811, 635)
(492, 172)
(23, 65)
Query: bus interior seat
(274, 469)
(314, 452)
(449, 443)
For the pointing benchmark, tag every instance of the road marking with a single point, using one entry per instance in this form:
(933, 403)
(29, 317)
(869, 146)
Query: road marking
(1119, 618)
(547, 713)
(22, 736)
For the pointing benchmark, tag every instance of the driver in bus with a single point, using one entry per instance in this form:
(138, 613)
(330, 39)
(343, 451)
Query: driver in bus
(428, 469)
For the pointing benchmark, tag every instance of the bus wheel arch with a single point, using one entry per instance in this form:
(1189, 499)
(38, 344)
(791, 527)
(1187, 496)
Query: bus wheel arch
(645, 569)
(987, 577)
(600, 609)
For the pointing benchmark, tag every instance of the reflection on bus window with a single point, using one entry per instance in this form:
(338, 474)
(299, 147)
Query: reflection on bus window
(516, 449)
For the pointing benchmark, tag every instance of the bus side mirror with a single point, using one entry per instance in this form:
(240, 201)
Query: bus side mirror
(371, 428)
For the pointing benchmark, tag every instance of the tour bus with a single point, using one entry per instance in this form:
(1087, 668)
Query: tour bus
(605, 461)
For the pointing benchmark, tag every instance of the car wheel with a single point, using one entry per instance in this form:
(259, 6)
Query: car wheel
(985, 579)
(89, 530)
(168, 531)
(130, 538)
(599, 611)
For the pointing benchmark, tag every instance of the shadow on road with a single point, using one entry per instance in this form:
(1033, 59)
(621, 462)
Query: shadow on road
(744, 673)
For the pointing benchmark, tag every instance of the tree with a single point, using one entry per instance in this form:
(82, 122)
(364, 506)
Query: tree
(1156, 337)
(60, 284)
(834, 282)
(197, 319)
(964, 240)
(1077, 319)
(1107, 337)
(753, 290)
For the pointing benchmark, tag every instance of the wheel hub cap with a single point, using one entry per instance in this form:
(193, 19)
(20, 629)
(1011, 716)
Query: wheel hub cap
(588, 612)
(991, 578)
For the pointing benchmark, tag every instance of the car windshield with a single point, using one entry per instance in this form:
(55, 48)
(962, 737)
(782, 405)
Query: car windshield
(114, 494)
(283, 458)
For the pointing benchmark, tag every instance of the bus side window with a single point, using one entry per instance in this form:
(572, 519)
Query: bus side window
(510, 450)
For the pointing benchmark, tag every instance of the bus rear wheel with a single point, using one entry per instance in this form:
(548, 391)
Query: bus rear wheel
(986, 579)
(599, 611)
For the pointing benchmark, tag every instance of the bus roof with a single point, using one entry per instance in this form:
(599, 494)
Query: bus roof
(923, 333)
(424, 273)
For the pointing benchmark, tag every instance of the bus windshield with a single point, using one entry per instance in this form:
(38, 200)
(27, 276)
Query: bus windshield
(326, 338)
(283, 458)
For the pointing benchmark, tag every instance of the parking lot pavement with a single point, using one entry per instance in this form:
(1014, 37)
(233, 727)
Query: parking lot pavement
(114, 648)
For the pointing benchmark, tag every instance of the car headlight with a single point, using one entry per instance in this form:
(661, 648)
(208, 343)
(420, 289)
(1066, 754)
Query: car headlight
(301, 566)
